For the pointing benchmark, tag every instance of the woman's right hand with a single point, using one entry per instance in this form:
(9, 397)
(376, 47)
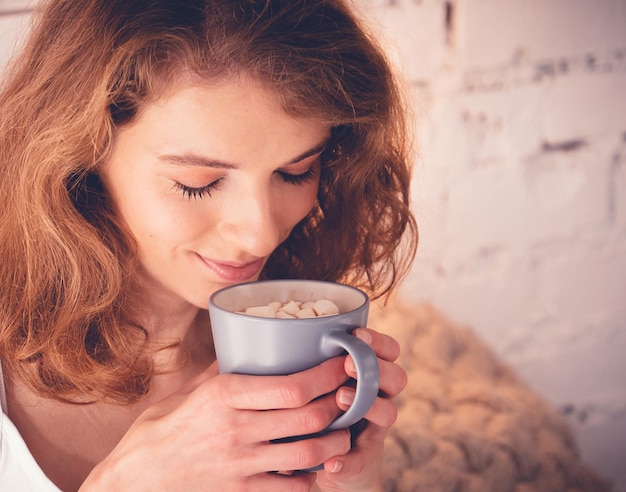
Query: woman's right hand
(215, 433)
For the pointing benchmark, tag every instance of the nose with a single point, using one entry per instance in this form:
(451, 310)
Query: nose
(251, 222)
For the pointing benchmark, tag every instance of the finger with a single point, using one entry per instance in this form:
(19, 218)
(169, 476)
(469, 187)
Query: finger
(279, 424)
(382, 413)
(365, 455)
(303, 454)
(384, 346)
(393, 378)
(274, 482)
(274, 392)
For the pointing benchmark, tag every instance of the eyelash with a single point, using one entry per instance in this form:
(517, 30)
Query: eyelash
(299, 179)
(195, 193)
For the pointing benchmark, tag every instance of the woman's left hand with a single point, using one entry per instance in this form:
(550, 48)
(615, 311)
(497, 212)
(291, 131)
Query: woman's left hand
(361, 469)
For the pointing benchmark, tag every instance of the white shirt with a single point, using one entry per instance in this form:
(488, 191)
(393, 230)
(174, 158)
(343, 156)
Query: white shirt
(19, 472)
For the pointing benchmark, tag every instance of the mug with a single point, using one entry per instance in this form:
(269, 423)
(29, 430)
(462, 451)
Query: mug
(246, 344)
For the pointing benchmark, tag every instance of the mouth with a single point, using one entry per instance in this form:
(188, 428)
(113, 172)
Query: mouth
(234, 271)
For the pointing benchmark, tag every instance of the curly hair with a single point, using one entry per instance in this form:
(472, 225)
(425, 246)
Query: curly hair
(67, 268)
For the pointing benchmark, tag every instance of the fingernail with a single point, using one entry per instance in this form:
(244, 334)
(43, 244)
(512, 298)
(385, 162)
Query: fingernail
(337, 467)
(346, 396)
(350, 367)
(364, 335)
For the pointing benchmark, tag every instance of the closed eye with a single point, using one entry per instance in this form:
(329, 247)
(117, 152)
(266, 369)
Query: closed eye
(299, 179)
(197, 192)
(206, 191)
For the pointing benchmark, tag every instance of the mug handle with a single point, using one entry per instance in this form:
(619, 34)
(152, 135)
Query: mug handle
(367, 372)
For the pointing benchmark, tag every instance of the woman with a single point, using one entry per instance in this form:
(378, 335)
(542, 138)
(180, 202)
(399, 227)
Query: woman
(153, 152)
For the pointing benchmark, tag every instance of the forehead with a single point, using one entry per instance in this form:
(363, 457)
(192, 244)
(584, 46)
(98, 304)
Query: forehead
(286, 96)
(233, 119)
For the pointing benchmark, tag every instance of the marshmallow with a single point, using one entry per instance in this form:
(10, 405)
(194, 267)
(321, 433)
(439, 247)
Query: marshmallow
(276, 305)
(306, 313)
(324, 307)
(293, 309)
(261, 311)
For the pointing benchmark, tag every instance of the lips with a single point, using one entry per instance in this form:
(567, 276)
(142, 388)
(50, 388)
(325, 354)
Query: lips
(234, 271)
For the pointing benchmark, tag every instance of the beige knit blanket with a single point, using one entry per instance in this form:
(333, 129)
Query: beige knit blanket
(466, 423)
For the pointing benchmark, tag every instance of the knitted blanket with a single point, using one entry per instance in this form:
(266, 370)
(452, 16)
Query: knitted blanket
(466, 423)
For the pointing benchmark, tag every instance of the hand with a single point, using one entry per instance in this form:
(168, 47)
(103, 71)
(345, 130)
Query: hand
(214, 433)
(361, 469)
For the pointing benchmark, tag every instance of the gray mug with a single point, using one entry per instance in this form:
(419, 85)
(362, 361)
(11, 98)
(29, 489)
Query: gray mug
(246, 344)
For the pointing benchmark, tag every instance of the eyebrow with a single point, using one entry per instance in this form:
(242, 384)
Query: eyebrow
(191, 159)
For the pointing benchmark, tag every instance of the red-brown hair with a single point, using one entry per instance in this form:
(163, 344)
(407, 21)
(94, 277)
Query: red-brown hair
(87, 68)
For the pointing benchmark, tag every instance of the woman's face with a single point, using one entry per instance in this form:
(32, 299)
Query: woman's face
(210, 179)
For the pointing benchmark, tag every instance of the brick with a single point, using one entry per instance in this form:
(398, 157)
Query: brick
(582, 285)
(596, 367)
(566, 192)
(514, 121)
(617, 197)
(517, 204)
(485, 211)
(499, 31)
(495, 296)
(441, 124)
(16, 5)
(429, 203)
(415, 34)
(585, 105)
(507, 123)
(12, 29)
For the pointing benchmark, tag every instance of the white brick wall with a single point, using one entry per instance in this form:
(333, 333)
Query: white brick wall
(520, 188)
(11, 27)
(497, 31)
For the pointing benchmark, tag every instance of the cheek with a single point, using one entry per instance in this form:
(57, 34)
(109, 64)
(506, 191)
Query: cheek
(172, 223)
(299, 203)
(151, 216)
